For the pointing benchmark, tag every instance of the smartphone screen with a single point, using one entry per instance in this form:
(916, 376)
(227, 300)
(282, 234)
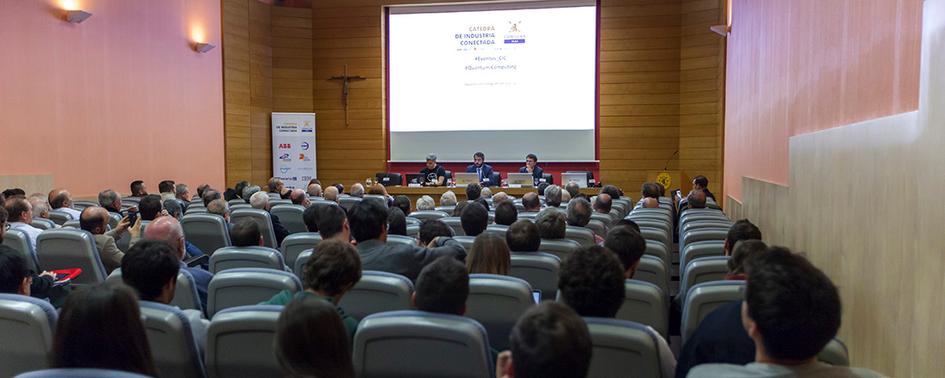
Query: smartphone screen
(536, 296)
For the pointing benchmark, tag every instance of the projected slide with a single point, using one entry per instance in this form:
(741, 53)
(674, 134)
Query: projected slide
(528, 72)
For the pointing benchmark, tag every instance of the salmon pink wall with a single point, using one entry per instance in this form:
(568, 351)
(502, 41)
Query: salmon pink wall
(118, 97)
(800, 66)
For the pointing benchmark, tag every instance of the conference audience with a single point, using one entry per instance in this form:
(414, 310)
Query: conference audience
(310, 218)
(696, 199)
(61, 200)
(275, 185)
(109, 199)
(396, 222)
(603, 203)
(182, 193)
(592, 283)
(549, 340)
(573, 189)
(168, 230)
(458, 209)
(151, 268)
(311, 340)
(20, 215)
(542, 187)
(483, 170)
(433, 174)
(166, 188)
(551, 223)
(531, 166)
(100, 327)
(314, 191)
(220, 207)
(209, 195)
(442, 287)
(523, 236)
(357, 190)
(150, 207)
(485, 192)
(565, 196)
(368, 221)
(505, 213)
(246, 234)
(95, 219)
(431, 229)
(531, 202)
(138, 189)
(331, 194)
(473, 192)
(201, 189)
(650, 190)
(40, 207)
(651, 203)
(490, 255)
(328, 275)
(298, 197)
(553, 196)
(425, 203)
(260, 201)
(474, 219)
(629, 246)
(238, 190)
(791, 312)
(741, 230)
(402, 202)
(15, 277)
(579, 215)
(743, 251)
(39, 286)
(333, 223)
(612, 191)
(499, 198)
(482, 202)
(448, 198)
(700, 182)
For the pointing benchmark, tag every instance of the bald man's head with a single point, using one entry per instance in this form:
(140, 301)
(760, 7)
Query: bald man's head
(60, 198)
(651, 203)
(94, 219)
(314, 190)
(696, 199)
(603, 203)
(298, 197)
(531, 202)
(167, 229)
(331, 193)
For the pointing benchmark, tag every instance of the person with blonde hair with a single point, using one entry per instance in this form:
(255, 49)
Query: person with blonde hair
(490, 255)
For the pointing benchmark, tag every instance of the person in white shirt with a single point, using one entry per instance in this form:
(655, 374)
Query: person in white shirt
(21, 216)
(61, 199)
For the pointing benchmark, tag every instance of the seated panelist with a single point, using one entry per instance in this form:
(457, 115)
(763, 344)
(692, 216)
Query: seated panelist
(484, 170)
(434, 174)
(531, 166)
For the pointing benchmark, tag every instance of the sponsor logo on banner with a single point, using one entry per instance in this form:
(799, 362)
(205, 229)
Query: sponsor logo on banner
(514, 36)
(284, 170)
(305, 146)
(305, 178)
(286, 146)
(307, 127)
(303, 157)
(285, 157)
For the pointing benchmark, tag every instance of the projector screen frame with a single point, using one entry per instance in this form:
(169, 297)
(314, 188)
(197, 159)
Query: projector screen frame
(386, 43)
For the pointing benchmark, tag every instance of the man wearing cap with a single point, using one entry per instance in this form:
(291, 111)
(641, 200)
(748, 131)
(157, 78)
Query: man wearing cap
(434, 174)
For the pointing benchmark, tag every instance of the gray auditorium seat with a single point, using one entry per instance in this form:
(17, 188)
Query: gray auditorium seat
(348, 202)
(413, 230)
(294, 244)
(172, 341)
(243, 205)
(497, 302)
(664, 227)
(262, 219)
(274, 196)
(427, 215)
(701, 243)
(455, 224)
(651, 269)
(647, 304)
(401, 239)
(711, 223)
(67, 248)
(606, 219)
(300, 262)
(659, 250)
(72, 223)
(706, 269)
(621, 347)
(466, 241)
(497, 229)
(80, 373)
(291, 217)
(702, 299)
(185, 293)
(657, 235)
(209, 232)
(446, 209)
(236, 202)
(19, 241)
(835, 353)
(245, 286)
(82, 204)
(598, 227)
(377, 292)
(401, 344)
(246, 257)
(59, 216)
(197, 210)
(44, 224)
(27, 325)
(583, 235)
(539, 269)
(239, 342)
(559, 247)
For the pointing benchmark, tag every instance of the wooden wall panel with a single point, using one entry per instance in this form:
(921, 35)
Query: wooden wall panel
(293, 88)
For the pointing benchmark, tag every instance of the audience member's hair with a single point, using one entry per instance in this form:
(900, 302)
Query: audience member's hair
(108, 197)
(245, 234)
(148, 266)
(551, 224)
(297, 196)
(137, 188)
(91, 219)
(553, 196)
(149, 207)
(506, 213)
(523, 236)
(368, 219)
(402, 202)
(16, 207)
(489, 254)
(218, 207)
(334, 267)
(100, 327)
(57, 198)
(433, 228)
(14, 192)
(259, 200)
(744, 250)
(650, 190)
(377, 189)
(443, 287)
(579, 212)
(396, 222)
(311, 340)
(603, 203)
(550, 340)
(4, 217)
(180, 189)
(613, 191)
(273, 184)
(249, 191)
(40, 207)
(542, 187)
(473, 191)
(696, 199)
(201, 189)
(573, 189)
(474, 219)
(331, 221)
(628, 223)
(482, 202)
(591, 282)
(794, 305)
(357, 190)
(499, 198)
(743, 229)
(701, 181)
(13, 270)
(485, 192)
(173, 208)
(310, 218)
(458, 209)
(627, 244)
(239, 187)
(166, 186)
(425, 203)
(314, 190)
(531, 202)
(209, 195)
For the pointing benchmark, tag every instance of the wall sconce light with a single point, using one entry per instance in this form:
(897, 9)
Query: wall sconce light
(202, 47)
(77, 16)
(722, 30)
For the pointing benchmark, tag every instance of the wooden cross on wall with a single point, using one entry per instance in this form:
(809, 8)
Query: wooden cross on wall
(346, 80)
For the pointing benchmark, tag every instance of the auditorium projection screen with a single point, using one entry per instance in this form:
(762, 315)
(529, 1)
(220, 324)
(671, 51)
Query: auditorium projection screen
(503, 78)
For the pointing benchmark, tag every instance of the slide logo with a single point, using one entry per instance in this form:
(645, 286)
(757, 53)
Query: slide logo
(514, 35)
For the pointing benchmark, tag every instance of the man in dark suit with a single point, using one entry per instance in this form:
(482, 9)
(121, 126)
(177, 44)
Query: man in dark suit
(484, 170)
(368, 220)
(531, 166)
